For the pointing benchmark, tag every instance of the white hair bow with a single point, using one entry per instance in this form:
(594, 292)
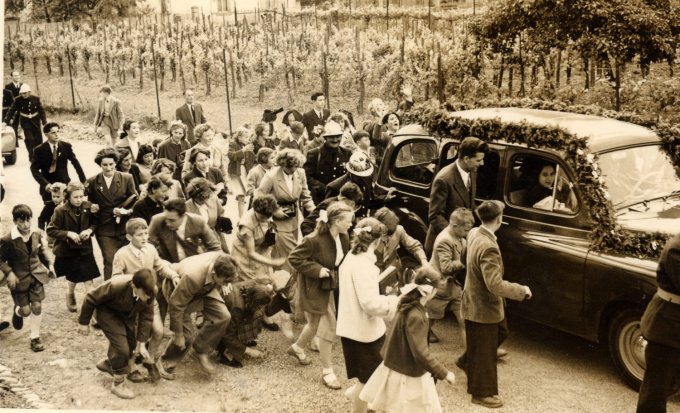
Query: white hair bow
(358, 231)
(323, 216)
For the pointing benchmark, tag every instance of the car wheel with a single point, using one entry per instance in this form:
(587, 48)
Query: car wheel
(11, 158)
(627, 347)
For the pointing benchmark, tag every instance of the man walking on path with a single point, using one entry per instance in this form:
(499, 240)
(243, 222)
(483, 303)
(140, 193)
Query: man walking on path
(483, 306)
(109, 118)
(27, 112)
(190, 114)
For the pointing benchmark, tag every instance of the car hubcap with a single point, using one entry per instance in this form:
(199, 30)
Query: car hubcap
(632, 349)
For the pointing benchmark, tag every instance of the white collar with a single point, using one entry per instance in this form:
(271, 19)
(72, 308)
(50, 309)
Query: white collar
(463, 174)
(14, 233)
(183, 225)
(138, 251)
(488, 231)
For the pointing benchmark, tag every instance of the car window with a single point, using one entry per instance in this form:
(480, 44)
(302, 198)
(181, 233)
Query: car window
(416, 162)
(540, 183)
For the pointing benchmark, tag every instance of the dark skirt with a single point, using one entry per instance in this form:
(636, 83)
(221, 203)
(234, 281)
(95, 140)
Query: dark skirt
(78, 268)
(361, 359)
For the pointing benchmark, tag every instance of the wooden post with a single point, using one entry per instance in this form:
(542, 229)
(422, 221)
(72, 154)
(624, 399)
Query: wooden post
(226, 85)
(235, 17)
(387, 19)
(155, 77)
(70, 75)
(429, 14)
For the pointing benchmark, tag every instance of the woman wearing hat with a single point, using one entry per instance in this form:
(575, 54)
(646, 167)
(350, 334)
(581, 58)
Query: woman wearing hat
(28, 112)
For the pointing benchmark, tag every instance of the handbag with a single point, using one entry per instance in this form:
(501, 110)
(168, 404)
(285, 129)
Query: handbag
(269, 237)
(224, 225)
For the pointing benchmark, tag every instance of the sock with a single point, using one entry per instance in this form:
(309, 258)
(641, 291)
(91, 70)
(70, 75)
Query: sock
(327, 371)
(16, 311)
(297, 348)
(34, 321)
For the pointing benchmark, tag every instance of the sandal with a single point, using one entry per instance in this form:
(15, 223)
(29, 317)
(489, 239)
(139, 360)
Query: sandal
(301, 356)
(331, 381)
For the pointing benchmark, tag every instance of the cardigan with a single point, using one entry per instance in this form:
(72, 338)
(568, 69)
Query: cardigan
(130, 259)
(361, 308)
(406, 349)
(67, 218)
(313, 253)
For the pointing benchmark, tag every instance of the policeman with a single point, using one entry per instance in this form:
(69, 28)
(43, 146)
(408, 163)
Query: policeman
(661, 327)
(28, 112)
(327, 163)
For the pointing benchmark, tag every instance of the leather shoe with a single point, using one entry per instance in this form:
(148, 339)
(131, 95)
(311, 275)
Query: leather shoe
(3, 325)
(270, 326)
(251, 343)
(461, 364)
(37, 345)
(501, 352)
(17, 320)
(136, 377)
(104, 365)
(71, 303)
(492, 402)
(154, 373)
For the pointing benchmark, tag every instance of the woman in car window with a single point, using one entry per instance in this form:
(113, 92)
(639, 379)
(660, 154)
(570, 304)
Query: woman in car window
(541, 192)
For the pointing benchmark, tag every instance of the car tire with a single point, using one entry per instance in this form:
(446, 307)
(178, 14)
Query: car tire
(11, 159)
(627, 346)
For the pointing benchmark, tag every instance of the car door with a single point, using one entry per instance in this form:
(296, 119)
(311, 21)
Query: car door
(412, 166)
(544, 249)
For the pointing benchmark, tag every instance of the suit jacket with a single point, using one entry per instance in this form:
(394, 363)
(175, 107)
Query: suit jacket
(116, 113)
(146, 208)
(213, 175)
(386, 250)
(237, 157)
(198, 237)
(311, 119)
(661, 321)
(42, 159)
(13, 88)
(65, 219)
(118, 309)
(183, 114)
(274, 183)
(448, 193)
(196, 282)
(122, 194)
(254, 178)
(313, 253)
(14, 257)
(485, 288)
(448, 254)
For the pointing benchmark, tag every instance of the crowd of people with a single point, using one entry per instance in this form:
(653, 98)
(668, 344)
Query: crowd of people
(315, 243)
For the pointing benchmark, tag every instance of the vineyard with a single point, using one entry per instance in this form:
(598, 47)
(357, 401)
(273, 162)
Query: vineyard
(355, 54)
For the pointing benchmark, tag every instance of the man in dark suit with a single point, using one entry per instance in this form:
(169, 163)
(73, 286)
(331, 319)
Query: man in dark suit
(327, 163)
(190, 114)
(660, 326)
(50, 161)
(10, 92)
(125, 306)
(27, 111)
(483, 304)
(315, 119)
(454, 187)
(178, 234)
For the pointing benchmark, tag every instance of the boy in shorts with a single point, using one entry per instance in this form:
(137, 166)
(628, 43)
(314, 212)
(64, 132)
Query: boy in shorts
(25, 259)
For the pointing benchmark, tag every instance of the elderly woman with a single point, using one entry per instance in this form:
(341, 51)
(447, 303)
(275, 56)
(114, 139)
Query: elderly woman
(201, 168)
(202, 201)
(288, 183)
(166, 168)
(126, 164)
(205, 136)
(317, 260)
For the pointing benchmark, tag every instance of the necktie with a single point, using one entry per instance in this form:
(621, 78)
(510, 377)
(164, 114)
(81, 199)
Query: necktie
(469, 183)
(53, 165)
(191, 110)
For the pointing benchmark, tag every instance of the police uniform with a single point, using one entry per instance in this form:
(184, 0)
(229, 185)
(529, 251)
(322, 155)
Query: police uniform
(324, 165)
(29, 113)
(661, 327)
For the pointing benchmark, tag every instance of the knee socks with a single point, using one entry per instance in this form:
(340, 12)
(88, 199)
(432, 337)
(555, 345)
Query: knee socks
(34, 322)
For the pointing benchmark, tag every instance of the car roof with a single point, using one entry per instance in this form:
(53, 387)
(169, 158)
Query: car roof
(603, 133)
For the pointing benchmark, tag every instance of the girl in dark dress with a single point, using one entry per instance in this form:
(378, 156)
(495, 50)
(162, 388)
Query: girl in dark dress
(71, 227)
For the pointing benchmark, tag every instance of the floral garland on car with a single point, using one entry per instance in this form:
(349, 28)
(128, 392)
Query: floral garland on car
(607, 235)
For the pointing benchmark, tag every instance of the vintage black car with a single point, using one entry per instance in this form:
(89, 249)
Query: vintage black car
(545, 245)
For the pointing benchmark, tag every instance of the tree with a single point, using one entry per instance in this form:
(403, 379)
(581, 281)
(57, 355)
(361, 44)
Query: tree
(62, 10)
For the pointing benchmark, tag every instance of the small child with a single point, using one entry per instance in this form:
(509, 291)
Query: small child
(138, 254)
(403, 381)
(71, 227)
(25, 258)
(125, 307)
(448, 257)
(362, 139)
(57, 192)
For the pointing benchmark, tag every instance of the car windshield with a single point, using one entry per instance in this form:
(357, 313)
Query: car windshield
(637, 174)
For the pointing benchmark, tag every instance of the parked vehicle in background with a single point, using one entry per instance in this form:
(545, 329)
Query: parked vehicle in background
(9, 145)
(594, 295)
